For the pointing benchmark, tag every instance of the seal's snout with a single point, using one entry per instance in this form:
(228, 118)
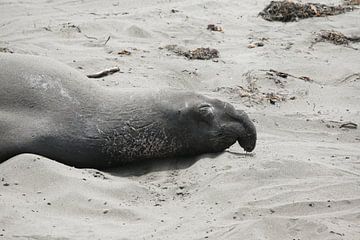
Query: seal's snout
(247, 135)
(248, 143)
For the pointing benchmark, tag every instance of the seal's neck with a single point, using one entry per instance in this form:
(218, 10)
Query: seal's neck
(131, 126)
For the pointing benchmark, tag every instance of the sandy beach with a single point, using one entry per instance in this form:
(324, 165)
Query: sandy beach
(302, 182)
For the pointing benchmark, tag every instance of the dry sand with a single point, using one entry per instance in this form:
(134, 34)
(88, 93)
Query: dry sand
(302, 182)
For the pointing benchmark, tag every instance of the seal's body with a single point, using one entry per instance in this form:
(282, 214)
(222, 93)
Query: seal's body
(50, 109)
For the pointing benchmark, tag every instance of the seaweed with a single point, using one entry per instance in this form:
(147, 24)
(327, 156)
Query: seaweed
(198, 53)
(334, 37)
(288, 11)
(202, 53)
(273, 90)
(352, 2)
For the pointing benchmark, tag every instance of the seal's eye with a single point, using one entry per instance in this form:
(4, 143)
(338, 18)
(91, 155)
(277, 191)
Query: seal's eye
(206, 112)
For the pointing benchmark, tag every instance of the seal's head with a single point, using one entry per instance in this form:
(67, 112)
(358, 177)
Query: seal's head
(174, 124)
(212, 125)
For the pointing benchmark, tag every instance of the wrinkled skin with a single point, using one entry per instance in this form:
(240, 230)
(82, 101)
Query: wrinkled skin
(49, 109)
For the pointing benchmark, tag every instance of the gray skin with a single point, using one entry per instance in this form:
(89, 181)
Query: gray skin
(50, 109)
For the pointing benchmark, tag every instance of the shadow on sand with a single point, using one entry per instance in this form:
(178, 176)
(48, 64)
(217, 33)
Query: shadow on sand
(151, 165)
(148, 166)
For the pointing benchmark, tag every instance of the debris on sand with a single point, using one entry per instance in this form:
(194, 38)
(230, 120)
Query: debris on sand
(349, 125)
(256, 44)
(259, 42)
(108, 39)
(215, 28)
(203, 53)
(96, 174)
(271, 72)
(352, 2)
(5, 50)
(351, 78)
(104, 73)
(344, 125)
(274, 87)
(273, 98)
(289, 11)
(254, 96)
(124, 52)
(69, 26)
(198, 53)
(334, 37)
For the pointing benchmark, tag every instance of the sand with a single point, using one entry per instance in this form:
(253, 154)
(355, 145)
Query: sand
(302, 181)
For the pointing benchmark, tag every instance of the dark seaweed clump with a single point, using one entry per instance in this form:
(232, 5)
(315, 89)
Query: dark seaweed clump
(198, 53)
(288, 11)
(202, 53)
(336, 38)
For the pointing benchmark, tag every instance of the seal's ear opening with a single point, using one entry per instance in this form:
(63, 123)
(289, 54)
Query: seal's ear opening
(206, 112)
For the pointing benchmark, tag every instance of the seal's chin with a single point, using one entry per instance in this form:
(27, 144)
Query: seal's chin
(247, 144)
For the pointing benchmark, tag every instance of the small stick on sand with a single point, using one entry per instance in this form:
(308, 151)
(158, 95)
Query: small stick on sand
(285, 75)
(90, 37)
(356, 75)
(349, 125)
(104, 73)
(107, 40)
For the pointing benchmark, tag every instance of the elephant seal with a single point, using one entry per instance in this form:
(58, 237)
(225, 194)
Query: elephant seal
(50, 109)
